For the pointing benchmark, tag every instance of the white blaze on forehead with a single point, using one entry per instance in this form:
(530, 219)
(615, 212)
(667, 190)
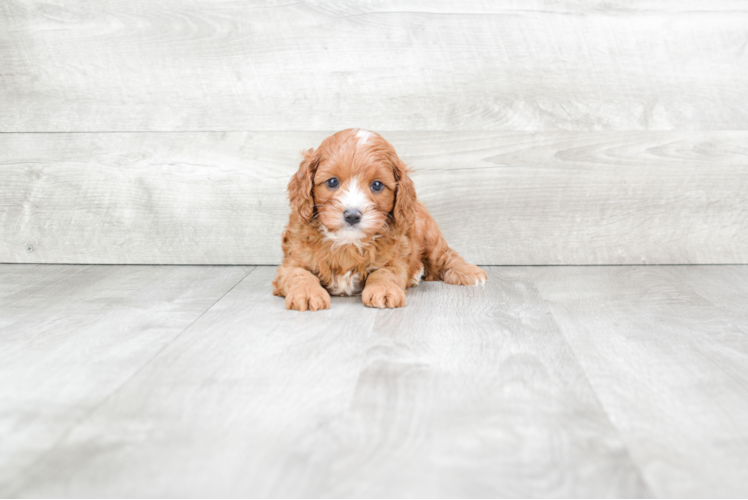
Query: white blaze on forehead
(353, 198)
(363, 136)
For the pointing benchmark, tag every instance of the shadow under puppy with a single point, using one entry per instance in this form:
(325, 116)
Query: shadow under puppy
(356, 226)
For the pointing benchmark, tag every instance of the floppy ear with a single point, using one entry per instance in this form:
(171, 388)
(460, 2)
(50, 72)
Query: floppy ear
(301, 185)
(404, 211)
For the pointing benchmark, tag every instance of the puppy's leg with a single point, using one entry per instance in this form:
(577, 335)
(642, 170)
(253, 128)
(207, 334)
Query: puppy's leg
(301, 289)
(443, 263)
(385, 287)
(463, 273)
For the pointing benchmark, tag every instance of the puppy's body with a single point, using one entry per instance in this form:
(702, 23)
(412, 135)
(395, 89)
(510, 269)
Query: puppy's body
(356, 226)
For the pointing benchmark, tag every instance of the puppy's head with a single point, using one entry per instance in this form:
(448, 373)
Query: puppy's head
(355, 185)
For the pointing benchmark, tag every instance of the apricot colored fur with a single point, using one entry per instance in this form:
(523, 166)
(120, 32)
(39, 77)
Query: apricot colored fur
(398, 242)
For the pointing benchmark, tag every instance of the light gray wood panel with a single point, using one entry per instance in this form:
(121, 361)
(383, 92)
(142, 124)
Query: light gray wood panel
(500, 198)
(724, 286)
(473, 392)
(146, 198)
(29, 278)
(390, 65)
(70, 336)
(260, 379)
(668, 368)
(466, 391)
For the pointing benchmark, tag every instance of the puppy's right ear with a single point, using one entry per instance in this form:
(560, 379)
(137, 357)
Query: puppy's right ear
(301, 186)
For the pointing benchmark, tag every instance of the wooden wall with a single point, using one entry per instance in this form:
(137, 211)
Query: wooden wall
(542, 132)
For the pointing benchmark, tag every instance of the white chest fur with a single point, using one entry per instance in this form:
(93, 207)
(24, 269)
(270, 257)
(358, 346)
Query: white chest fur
(345, 284)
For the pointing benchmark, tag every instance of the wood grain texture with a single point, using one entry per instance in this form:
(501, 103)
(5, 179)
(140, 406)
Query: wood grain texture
(499, 197)
(668, 366)
(70, 336)
(465, 392)
(725, 286)
(136, 65)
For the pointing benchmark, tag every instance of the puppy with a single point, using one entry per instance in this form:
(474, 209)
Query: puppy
(357, 227)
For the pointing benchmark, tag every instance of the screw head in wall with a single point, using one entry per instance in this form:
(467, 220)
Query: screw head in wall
(29, 248)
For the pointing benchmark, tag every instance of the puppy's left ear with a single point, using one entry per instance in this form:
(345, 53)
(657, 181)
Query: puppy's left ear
(404, 211)
(301, 185)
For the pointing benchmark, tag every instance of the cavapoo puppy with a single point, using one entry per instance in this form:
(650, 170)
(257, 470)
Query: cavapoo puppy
(357, 227)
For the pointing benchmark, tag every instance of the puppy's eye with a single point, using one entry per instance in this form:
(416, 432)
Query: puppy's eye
(377, 186)
(332, 183)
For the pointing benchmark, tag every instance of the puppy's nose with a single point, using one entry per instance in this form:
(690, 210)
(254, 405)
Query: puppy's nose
(352, 216)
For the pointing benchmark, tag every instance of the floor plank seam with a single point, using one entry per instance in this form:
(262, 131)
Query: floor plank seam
(12, 492)
(634, 463)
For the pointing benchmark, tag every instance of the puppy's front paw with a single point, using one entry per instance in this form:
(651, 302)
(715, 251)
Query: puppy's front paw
(465, 274)
(307, 297)
(383, 295)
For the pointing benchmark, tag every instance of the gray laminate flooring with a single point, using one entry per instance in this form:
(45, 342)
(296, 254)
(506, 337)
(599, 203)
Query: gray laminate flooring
(143, 381)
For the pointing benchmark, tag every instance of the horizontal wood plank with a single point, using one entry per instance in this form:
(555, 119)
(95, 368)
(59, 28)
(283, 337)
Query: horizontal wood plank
(137, 65)
(500, 198)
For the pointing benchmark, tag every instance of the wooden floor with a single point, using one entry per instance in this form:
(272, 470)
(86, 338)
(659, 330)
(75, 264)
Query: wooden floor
(549, 381)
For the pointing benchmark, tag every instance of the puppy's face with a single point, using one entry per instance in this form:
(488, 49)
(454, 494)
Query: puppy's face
(357, 185)
(354, 188)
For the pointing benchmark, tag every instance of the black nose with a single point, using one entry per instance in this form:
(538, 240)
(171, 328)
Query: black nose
(352, 216)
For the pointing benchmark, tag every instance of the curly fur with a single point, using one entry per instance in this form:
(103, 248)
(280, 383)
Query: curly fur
(396, 243)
